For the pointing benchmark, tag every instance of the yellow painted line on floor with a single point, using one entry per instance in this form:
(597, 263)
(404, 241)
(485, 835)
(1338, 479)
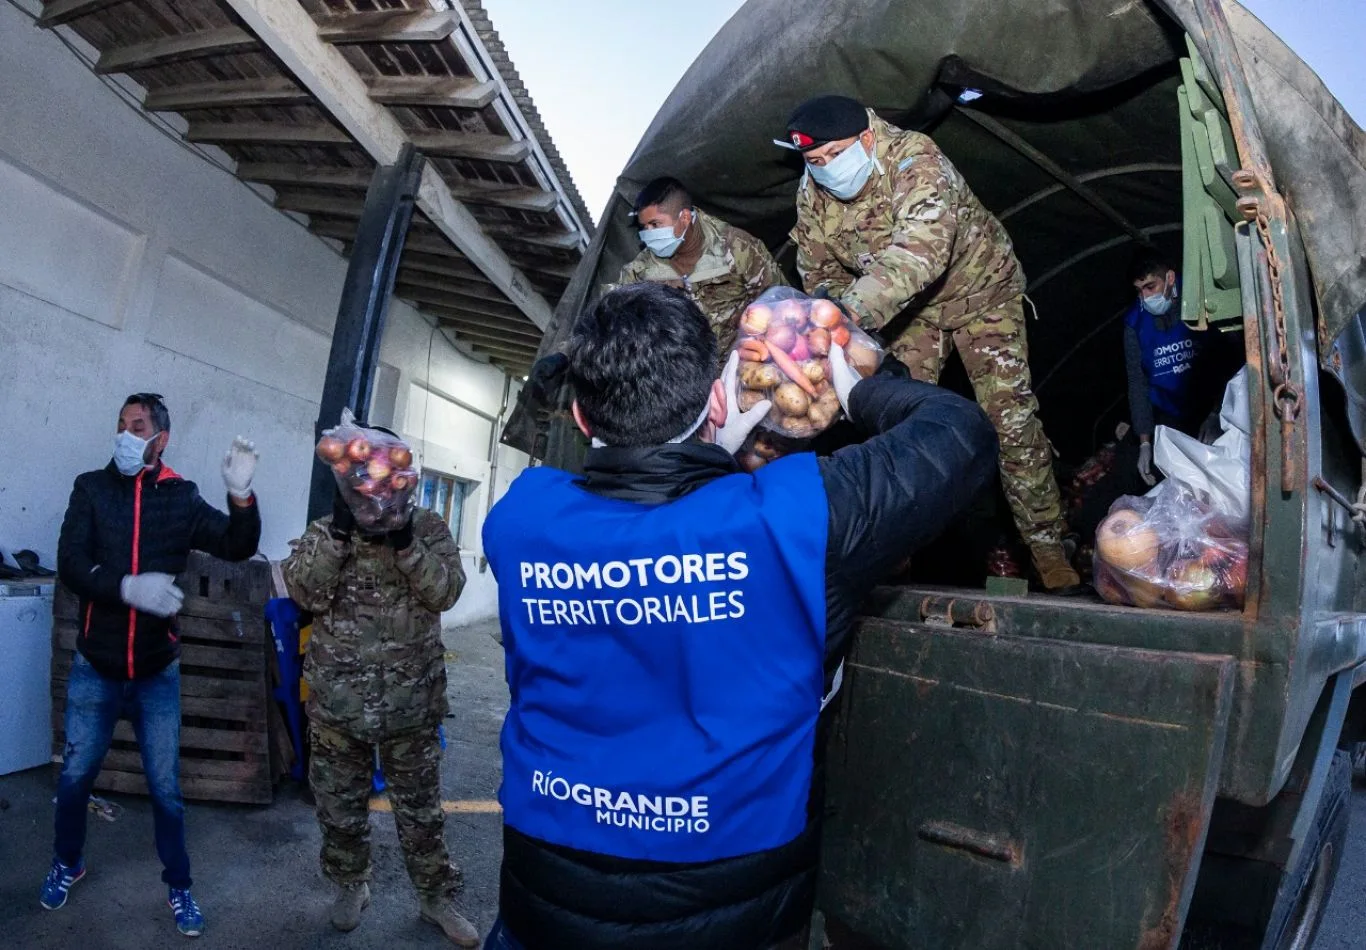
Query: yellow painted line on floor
(471, 806)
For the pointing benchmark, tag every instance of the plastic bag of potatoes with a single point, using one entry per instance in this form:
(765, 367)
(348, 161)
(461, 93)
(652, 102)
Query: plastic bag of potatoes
(784, 341)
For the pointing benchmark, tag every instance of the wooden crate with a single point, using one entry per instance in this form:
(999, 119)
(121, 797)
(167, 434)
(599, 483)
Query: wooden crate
(225, 668)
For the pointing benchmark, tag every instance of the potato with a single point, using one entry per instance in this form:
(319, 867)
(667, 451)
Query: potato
(756, 320)
(821, 414)
(813, 370)
(818, 341)
(759, 375)
(862, 358)
(749, 398)
(791, 400)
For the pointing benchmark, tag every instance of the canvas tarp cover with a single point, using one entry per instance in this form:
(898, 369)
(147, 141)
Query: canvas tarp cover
(1090, 84)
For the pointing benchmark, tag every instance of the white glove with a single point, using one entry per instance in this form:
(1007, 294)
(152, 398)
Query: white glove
(842, 376)
(1145, 464)
(239, 465)
(152, 594)
(738, 425)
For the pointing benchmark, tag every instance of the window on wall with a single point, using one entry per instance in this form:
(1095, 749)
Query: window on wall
(446, 496)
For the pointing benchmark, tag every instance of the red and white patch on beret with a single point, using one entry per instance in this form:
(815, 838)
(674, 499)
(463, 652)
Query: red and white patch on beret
(802, 140)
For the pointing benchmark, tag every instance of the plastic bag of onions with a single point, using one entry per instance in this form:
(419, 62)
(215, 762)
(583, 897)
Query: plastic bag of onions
(784, 341)
(1170, 549)
(374, 473)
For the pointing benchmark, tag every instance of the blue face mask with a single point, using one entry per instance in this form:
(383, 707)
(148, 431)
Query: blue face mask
(662, 242)
(130, 453)
(844, 175)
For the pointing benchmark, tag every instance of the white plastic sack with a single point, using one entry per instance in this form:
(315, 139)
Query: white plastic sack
(1219, 474)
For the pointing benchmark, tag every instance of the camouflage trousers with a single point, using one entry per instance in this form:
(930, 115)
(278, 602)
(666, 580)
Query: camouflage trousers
(340, 770)
(995, 353)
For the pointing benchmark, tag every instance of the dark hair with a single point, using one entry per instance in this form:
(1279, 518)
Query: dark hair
(161, 417)
(642, 362)
(668, 193)
(1148, 264)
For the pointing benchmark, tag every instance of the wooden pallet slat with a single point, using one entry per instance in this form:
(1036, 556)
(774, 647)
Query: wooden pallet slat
(226, 737)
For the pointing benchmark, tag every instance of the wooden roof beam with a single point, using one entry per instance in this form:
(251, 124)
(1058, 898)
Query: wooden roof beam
(271, 133)
(561, 241)
(57, 12)
(505, 352)
(452, 92)
(484, 328)
(515, 327)
(464, 287)
(479, 146)
(387, 26)
(170, 49)
(438, 265)
(275, 91)
(456, 301)
(291, 34)
(491, 337)
(318, 176)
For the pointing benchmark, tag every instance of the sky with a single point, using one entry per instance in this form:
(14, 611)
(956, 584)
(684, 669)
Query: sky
(599, 70)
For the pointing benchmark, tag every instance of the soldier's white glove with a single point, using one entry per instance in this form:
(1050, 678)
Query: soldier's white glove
(842, 376)
(1145, 464)
(239, 465)
(151, 593)
(738, 425)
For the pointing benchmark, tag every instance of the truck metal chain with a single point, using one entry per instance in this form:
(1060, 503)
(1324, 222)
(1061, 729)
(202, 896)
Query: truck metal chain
(1286, 397)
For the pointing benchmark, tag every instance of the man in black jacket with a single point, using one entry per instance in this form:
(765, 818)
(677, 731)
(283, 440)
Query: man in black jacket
(128, 530)
(675, 629)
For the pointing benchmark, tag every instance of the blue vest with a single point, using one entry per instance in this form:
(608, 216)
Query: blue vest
(665, 662)
(1168, 358)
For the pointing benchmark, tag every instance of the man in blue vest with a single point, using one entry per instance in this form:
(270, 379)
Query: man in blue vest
(674, 629)
(1161, 356)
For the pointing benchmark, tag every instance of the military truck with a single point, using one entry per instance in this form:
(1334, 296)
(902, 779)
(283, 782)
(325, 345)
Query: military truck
(1060, 774)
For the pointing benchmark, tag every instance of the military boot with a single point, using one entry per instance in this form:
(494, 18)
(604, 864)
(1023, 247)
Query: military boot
(440, 911)
(1055, 572)
(352, 899)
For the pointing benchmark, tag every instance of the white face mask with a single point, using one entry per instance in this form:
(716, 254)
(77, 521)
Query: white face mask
(130, 452)
(844, 175)
(662, 242)
(1158, 304)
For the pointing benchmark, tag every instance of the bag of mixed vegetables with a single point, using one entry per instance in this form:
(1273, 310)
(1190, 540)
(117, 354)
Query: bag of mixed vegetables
(374, 473)
(784, 340)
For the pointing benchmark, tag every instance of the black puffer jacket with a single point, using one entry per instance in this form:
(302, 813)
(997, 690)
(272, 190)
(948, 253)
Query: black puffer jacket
(930, 453)
(117, 525)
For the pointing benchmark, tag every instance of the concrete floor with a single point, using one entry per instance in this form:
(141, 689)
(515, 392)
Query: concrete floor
(256, 869)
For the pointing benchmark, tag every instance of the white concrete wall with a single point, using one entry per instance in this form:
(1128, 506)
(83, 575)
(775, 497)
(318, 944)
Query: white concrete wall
(129, 263)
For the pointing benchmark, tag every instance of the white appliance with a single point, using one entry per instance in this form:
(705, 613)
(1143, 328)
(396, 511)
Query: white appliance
(25, 675)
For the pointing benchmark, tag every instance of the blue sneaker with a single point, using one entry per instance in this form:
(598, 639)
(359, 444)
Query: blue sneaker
(188, 920)
(58, 883)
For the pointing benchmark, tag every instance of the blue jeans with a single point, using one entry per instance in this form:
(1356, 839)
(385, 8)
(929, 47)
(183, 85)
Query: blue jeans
(94, 705)
(500, 938)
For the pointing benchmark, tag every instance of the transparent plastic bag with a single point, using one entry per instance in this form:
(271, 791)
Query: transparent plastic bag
(784, 341)
(374, 473)
(1170, 548)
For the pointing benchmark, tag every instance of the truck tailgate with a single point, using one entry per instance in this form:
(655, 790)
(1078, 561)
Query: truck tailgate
(997, 792)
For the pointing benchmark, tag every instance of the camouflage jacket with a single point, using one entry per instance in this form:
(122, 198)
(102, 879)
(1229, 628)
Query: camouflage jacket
(916, 237)
(734, 268)
(375, 665)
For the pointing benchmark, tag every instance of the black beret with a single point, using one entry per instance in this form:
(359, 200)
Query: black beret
(825, 119)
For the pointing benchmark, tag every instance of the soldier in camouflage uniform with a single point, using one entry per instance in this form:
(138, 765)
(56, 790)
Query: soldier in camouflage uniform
(376, 677)
(722, 268)
(886, 225)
